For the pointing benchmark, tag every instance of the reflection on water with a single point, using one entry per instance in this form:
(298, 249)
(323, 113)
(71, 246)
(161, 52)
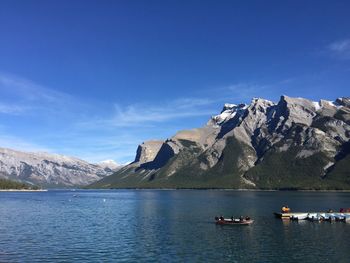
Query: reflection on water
(175, 226)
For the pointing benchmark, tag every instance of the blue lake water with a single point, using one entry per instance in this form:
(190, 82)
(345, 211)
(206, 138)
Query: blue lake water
(167, 226)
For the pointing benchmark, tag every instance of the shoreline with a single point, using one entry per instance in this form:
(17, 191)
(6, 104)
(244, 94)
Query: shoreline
(217, 189)
(23, 190)
(173, 189)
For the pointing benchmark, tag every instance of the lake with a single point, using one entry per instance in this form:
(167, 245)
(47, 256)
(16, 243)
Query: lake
(167, 226)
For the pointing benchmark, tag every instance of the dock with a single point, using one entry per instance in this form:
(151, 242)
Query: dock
(315, 216)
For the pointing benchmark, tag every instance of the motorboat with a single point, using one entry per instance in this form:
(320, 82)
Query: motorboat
(233, 221)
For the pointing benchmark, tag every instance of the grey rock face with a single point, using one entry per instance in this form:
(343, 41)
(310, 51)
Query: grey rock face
(50, 169)
(242, 136)
(147, 151)
(263, 124)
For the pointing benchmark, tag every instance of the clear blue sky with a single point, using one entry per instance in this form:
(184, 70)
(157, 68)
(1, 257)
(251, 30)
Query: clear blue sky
(93, 79)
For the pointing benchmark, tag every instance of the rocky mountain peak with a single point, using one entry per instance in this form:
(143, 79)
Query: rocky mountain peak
(344, 101)
(228, 112)
(47, 169)
(295, 110)
(260, 101)
(228, 106)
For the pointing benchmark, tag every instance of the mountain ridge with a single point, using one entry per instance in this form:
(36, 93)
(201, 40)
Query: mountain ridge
(50, 170)
(292, 144)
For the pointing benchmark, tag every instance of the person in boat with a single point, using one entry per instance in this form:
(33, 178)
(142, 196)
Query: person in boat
(222, 218)
(216, 218)
(232, 218)
(247, 218)
(241, 218)
(285, 209)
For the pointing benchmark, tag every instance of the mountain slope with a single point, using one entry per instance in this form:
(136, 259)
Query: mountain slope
(50, 170)
(293, 144)
(10, 185)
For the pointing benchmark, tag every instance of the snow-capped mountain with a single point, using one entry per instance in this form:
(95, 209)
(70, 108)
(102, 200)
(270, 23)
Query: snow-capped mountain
(295, 143)
(51, 170)
(109, 164)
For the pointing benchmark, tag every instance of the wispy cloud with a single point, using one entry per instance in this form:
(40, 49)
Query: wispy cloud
(20, 96)
(12, 109)
(340, 49)
(146, 115)
(177, 109)
(28, 90)
(16, 143)
(129, 125)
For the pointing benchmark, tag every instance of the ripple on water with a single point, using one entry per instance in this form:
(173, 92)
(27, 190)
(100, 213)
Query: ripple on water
(174, 226)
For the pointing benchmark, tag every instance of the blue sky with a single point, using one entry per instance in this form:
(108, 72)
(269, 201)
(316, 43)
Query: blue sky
(93, 79)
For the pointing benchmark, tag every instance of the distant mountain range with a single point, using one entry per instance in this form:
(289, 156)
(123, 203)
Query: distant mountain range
(51, 170)
(293, 144)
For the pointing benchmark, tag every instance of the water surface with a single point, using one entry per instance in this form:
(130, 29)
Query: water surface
(167, 226)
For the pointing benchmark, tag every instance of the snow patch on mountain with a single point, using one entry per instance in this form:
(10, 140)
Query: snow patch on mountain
(111, 164)
(228, 112)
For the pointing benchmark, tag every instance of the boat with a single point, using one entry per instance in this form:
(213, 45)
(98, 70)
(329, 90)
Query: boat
(314, 216)
(234, 221)
(299, 216)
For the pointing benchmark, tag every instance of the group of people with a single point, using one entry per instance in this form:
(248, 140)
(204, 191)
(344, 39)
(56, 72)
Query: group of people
(241, 218)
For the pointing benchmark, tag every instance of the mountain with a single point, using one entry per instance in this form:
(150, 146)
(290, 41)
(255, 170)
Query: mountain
(11, 185)
(293, 144)
(109, 165)
(51, 170)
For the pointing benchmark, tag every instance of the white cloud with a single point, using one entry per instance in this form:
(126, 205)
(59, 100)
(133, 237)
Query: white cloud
(16, 143)
(12, 109)
(147, 115)
(27, 90)
(340, 49)
(139, 113)
(21, 96)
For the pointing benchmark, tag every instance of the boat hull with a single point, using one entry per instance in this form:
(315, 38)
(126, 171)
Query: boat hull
(234, 222)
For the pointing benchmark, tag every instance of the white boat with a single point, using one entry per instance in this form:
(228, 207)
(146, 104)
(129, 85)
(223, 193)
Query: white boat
(299, 216)
(315, 216)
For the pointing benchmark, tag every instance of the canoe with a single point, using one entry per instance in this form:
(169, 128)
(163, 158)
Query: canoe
(228, 221)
